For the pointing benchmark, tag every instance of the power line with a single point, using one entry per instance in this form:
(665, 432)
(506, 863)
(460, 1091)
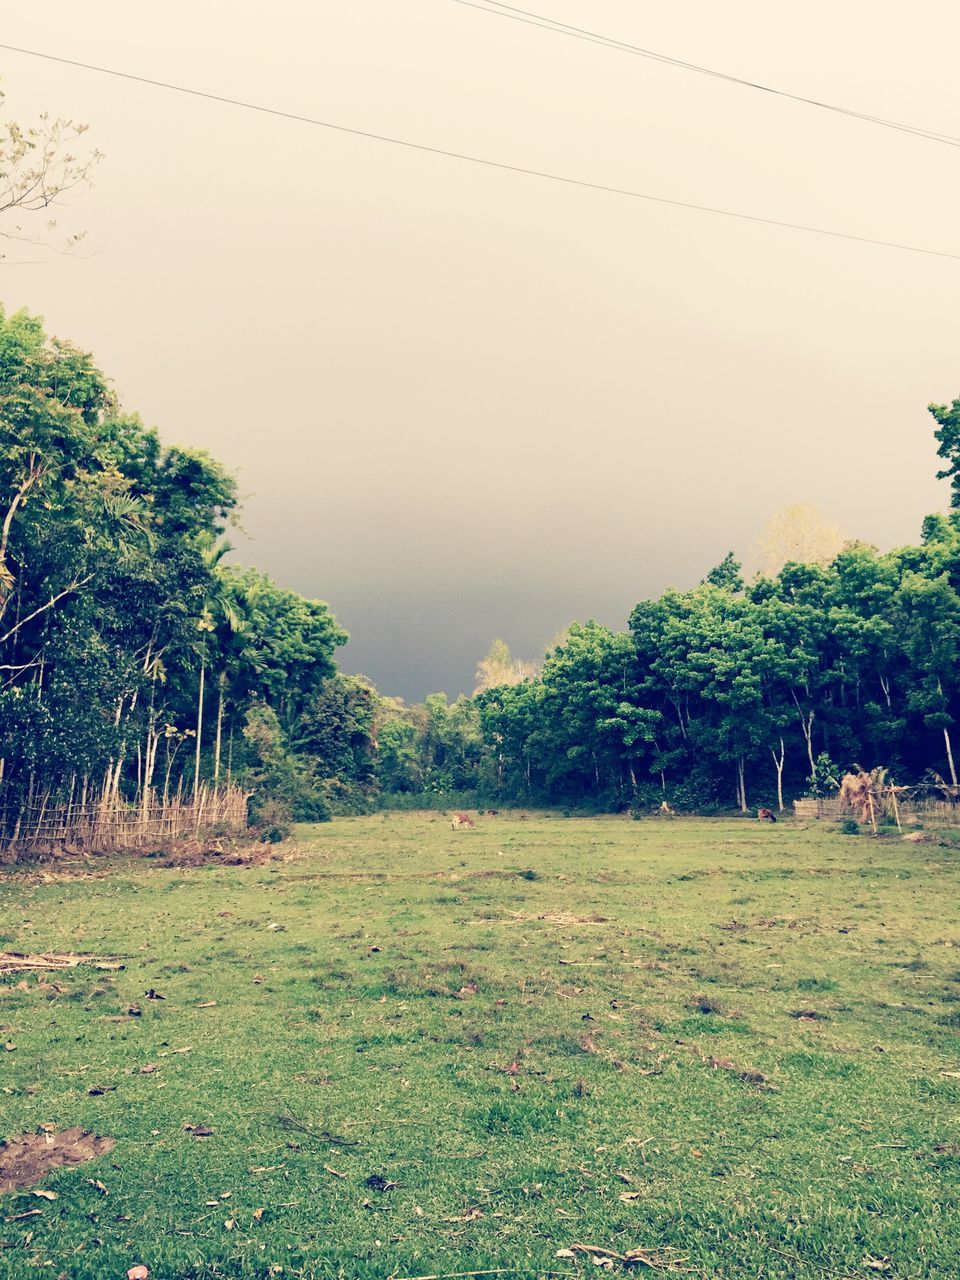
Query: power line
(480, 160)
(610, 42)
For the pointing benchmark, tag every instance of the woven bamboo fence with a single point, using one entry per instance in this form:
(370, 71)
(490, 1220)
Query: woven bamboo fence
(935, 812)
(102, 826)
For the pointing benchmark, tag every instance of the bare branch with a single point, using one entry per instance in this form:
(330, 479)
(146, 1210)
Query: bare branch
(39, 168)
(74, 586)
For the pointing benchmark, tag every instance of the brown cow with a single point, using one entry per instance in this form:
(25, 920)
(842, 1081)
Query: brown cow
(766, 815)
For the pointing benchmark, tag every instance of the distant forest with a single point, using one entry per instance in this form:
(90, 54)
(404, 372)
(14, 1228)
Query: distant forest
(134, 655)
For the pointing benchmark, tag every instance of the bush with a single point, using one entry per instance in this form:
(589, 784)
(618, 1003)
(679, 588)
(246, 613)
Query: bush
(310, 805)
(849, 827)
(271, 819)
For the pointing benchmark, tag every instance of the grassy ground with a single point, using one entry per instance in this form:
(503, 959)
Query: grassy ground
(528, 1036)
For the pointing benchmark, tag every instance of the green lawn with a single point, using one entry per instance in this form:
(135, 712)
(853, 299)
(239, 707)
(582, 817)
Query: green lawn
(528, 1036)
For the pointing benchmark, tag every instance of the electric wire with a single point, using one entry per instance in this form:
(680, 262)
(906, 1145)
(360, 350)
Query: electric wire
(504, 166)
(611, 42)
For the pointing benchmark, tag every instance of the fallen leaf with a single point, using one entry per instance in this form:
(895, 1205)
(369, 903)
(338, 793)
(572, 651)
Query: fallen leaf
(198, 1130)
(628, 1196)
(19, 1217)
(207, 1004)
(229, 1223)
(98, 1090)
(336, 1172)
(877, 1264)
(148, 1069)
(471, 1216)
(95, 1182)
(138, 1273)
(258, 1214)
(46, 1195)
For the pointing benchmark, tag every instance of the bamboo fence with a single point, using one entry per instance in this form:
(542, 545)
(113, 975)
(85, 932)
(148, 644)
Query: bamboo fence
(115, 824)
(935, 812)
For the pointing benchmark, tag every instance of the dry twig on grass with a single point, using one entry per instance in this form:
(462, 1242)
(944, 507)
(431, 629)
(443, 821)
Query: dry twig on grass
(16, 962)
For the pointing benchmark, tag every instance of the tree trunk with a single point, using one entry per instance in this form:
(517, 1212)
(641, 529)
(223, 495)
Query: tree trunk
(778, 761)
(741, 787)
(216, 750)
(196, 765)
(806, 724)
(953, 770)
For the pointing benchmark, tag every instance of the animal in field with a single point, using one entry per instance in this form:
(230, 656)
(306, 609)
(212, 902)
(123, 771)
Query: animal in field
(462, 821)
(766, 815)
(493, 813)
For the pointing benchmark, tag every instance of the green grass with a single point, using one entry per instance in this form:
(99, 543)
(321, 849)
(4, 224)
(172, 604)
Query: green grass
(513, 1075)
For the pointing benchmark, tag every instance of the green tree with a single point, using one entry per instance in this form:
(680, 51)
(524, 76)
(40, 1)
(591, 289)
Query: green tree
(947, 435)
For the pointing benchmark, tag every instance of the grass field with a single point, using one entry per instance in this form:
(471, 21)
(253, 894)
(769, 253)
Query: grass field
(436, 1052)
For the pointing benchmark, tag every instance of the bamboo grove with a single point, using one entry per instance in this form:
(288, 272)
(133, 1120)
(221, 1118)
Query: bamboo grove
(141, 670)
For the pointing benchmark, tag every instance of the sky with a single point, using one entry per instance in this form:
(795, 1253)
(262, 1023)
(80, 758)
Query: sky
(464, 403)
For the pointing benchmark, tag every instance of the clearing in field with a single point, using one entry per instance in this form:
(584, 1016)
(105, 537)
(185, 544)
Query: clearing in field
(533, 1047)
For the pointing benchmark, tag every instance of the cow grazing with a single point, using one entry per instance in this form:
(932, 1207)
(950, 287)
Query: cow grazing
(462, 821)
(766, 815)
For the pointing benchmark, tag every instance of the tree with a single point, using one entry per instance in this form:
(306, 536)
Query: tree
(800, 535)
(39, 168)
(336, 728)
(499, 667)
(726, 574)
(928, 623)
(947, 434)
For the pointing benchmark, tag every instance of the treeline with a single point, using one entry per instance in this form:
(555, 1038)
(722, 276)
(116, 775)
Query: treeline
(736, 694)
(732, 694)
(728, 695)
(135, 658)
(132, 657)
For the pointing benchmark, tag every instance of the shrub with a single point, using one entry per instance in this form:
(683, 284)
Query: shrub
(271, 819)
(849, 827)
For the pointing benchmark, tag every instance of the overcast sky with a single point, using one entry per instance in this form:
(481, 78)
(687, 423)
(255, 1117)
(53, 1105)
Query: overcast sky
(465, 403)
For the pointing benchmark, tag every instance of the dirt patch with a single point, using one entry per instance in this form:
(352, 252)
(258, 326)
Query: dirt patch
(17, 962)
(199, 853)
(28, 1159)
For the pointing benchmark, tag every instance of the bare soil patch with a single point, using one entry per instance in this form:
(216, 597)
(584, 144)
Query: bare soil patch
(26, 1160)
